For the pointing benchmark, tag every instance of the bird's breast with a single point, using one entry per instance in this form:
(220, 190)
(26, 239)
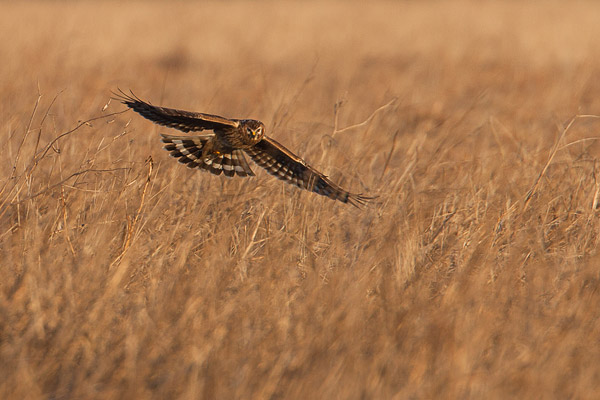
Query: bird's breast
(235, 138)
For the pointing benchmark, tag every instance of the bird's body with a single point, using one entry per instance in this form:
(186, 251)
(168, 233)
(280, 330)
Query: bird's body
(245, 135)
(222, 151)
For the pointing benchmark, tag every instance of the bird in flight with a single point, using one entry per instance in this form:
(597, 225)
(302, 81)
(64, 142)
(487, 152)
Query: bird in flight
(222, 151)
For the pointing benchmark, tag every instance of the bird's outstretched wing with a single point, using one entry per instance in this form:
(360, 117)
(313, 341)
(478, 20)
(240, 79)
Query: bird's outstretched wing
(185, 121)
(285, 165)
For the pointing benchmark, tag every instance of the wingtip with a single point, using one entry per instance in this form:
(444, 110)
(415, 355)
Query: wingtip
(125, 98)
(120, 95)
(359, 200)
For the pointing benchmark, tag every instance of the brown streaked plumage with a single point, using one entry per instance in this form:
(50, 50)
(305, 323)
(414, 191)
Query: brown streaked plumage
(223, 150)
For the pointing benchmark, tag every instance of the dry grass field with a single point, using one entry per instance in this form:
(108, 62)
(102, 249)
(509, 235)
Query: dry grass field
(475, 272)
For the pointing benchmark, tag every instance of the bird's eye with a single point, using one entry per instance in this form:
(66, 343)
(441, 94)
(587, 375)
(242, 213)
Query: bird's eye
(250, 131)
(259, 130)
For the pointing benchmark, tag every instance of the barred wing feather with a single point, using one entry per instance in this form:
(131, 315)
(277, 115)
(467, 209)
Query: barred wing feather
(185, 121)
(285, 165)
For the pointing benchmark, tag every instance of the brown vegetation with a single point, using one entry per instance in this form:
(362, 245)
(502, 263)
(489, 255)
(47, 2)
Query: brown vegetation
(474, 274)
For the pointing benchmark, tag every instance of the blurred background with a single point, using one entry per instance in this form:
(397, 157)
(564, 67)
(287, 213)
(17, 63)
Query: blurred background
(473, 274)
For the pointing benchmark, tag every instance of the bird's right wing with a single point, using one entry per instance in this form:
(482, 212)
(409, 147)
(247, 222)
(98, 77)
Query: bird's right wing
(185, 121)
(285, 165)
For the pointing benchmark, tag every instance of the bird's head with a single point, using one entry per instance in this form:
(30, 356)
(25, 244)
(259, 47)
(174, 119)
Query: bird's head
(254, 130)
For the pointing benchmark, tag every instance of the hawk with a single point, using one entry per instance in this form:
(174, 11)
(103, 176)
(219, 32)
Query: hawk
(222, 151)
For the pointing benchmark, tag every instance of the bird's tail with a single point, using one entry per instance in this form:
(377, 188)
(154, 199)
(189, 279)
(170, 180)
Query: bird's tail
(197, 152)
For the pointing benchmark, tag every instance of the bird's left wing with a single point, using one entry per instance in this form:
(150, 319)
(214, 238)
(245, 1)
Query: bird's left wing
(185, 121)
(285, 165)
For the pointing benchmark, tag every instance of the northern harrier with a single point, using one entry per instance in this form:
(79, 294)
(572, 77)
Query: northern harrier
(223, 150)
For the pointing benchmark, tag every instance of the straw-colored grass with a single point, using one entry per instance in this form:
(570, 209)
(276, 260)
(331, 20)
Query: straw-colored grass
(474, 274)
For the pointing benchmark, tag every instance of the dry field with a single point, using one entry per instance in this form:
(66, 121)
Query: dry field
(474, 274)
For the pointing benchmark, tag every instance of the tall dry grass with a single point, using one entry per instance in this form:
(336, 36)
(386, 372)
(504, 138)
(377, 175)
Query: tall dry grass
(474, 274)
